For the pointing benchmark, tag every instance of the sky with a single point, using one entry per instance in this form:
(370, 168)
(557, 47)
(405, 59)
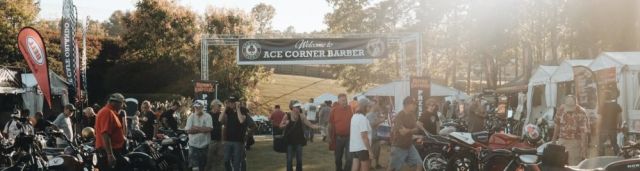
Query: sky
(303, 15)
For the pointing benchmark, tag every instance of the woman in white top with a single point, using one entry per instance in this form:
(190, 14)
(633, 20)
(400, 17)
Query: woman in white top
(360, 138)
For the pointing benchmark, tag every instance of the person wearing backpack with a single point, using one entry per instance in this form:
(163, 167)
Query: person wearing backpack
(293, 124)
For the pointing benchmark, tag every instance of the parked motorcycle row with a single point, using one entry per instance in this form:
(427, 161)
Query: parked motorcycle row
(498, 149)
(29, 151)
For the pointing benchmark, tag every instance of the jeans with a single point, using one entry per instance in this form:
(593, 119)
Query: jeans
(342, 148)
(233, 155)
(297, 151)
(215, 156)
(400, 156)
(198, 157)
(613, 139)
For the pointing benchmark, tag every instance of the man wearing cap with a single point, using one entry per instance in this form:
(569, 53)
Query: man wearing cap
(234, 132)
(199, 126)
(63, 122)
(110, 138)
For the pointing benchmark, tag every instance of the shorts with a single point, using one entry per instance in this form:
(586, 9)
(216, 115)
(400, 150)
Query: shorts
(400, 156)
(362, 155)
(198, 156)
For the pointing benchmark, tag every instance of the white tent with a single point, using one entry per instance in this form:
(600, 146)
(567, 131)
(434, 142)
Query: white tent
(541, 77)
(400, 90)
(325, 97)
(33, 99)
(564, 73)
(627, 71)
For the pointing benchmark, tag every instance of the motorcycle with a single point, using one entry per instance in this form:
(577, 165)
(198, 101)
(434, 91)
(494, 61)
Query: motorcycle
(527, 160)
(158, 154)
(434, 150)
(6, 153)
(174, 149)
(452, 125)
(28, 154)
(72, 158)
(26, 149)
(474, 151)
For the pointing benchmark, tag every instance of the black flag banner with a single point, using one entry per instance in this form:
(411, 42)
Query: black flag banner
(310, 51)
(68, 45)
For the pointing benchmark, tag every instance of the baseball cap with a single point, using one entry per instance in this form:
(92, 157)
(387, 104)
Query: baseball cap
(116, 97)
(197, 104)
(297, 105)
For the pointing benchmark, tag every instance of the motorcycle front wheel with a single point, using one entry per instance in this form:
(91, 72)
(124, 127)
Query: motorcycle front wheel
(462, 162)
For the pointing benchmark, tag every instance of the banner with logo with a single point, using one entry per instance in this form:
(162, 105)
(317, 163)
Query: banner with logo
(311, 51)
(420, 88)
(33, 50)
(68, 45)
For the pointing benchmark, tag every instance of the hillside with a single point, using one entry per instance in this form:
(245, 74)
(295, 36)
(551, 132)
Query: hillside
(280, 89)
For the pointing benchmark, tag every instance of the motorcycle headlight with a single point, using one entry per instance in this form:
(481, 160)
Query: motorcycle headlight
(184, 137)
(56, 161)
(94, 160)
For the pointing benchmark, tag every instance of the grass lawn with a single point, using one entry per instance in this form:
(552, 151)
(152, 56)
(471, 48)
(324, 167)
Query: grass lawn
(316, 156)
(280, 89)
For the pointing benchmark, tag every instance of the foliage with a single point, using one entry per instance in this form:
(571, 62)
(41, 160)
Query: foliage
(263, 14)
(159, 40)
(233, 79)
(484, 40)
(15, 15)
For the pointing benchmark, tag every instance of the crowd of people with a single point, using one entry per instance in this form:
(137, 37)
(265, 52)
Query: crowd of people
(355, 131)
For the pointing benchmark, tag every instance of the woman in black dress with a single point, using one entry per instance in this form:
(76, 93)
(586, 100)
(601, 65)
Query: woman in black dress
(294, 135)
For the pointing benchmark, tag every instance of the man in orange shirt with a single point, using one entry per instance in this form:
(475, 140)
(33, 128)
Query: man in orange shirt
(110, 137)
(339, 124)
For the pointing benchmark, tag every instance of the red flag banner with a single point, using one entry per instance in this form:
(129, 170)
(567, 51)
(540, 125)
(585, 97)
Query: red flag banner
(33, 49)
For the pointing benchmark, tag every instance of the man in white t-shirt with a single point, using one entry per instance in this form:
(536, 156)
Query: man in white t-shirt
(311, 110)
(199, 126)
(360, 137)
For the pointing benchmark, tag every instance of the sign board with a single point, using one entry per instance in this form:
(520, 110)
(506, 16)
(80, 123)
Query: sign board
(420, 88)
(585, 86)
(204, 92)
(204, 87)
(311, 51)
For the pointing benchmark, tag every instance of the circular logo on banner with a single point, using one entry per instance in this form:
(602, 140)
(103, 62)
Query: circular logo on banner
(251, 50)
(35, 51)
(375, 47)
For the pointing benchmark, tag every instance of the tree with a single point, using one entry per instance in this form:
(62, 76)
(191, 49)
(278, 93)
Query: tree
(234, 80)
(263, 14)
(15, 15)
(115, 26)
(160, 41)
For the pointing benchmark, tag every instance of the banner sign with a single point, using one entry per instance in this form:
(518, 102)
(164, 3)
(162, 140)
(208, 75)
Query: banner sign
(83, 60)
(68, 45)
(204, 87)
(33, 50)
(420, 88)
(585, 86)
(310, 51)
(203, 90)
